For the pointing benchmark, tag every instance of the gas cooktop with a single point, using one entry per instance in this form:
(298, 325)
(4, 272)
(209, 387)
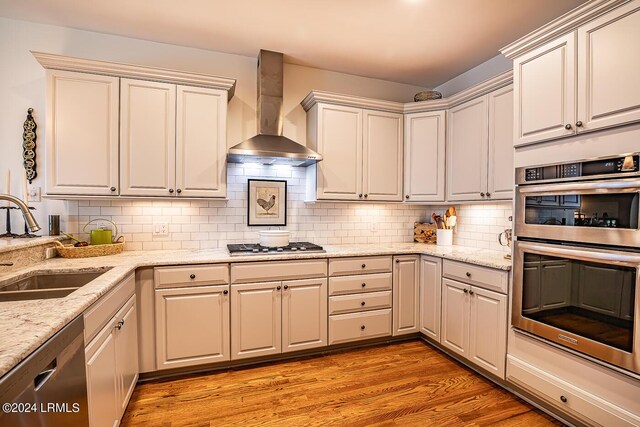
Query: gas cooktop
(257, 249)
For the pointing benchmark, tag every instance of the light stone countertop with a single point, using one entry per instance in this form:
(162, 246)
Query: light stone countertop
(25, 325)
(9, 244)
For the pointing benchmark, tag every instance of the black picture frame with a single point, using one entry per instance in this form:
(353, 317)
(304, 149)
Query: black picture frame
(257, 213)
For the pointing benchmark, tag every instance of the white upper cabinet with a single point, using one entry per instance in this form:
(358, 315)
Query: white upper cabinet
(382, 155)
(201, 142)
(82, 134)
(480, 148)
(147, 138)
(361, 150)
(339, 140)
(581, 81)
(467, 142)
(544, 81)
(150, 134)
(608, 64)
(501, 172)
(424, 157)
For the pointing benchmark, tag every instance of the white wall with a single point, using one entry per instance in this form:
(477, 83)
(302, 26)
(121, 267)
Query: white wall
(22, 85)
(494, 66)
(201, 224)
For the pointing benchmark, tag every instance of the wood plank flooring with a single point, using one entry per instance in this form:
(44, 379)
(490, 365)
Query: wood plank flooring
(400, 384)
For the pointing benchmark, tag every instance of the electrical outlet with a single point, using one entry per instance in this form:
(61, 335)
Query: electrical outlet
(34, 194)
(160, 229)
(373, 227)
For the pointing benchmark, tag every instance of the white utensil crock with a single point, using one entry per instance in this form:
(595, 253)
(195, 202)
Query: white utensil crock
(444, 237)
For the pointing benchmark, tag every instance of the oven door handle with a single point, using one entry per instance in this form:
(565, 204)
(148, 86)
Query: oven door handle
(629, 259)
(590, 187)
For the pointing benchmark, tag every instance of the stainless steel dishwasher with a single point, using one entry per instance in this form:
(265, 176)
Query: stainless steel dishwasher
(49, 387)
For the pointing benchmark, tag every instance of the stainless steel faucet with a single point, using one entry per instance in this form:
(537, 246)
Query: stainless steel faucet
(28, 216)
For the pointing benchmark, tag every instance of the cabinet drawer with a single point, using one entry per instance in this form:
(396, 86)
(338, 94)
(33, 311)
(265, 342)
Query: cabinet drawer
(175, 277)
(252, 272)
(579, 403)
(360, 283)
(342, 267)
(101, 312)
(488, 278)
(359, 326)
(359, 302)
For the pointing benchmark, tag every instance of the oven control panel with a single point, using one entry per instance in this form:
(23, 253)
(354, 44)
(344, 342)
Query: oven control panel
(620, 165)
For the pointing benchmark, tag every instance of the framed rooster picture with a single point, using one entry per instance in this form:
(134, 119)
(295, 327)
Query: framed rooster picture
(267, 204)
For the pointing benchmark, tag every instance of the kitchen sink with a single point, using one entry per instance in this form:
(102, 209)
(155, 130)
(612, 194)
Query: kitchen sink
(46, 286)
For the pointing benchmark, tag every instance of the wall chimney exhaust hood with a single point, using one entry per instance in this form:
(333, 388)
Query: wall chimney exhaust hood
(269, 146)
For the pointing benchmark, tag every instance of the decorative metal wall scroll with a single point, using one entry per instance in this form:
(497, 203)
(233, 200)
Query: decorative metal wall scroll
(29, 146)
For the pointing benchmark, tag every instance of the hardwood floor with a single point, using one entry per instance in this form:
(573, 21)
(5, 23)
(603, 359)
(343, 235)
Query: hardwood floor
(401, 384)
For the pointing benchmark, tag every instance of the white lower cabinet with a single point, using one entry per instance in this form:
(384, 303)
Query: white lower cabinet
(112, 366)
(360, 304)
(430, 290)
(474, 324)
(192, 326)
(256, 319)
(304, 314)
(567, 397)
(273, 317)
(406, 307)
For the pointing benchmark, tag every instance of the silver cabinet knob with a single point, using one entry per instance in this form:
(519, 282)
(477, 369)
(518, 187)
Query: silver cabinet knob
(178, 191)
(113, 189)
(567, 126)
(579, 124)
(406, 197)
(171, 190)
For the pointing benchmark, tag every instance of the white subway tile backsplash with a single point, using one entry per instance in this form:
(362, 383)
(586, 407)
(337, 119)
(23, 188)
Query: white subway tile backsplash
(204, 224)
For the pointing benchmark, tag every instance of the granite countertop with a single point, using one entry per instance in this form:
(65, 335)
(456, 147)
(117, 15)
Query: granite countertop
(25, 325)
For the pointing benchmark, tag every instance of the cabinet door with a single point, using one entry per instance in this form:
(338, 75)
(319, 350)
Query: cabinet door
(430, 288)
(501, 178)
(201, 142)
(608, 64)
(126, 352)
(304, 314)
(555, 284)
(544, 91)
(406, 299)
(382, 156)
(82, 134)
(531, 289)
(102, 384)
(467, 139)
(255, 319)
(340, 143)
(455, 316)
(488, 330)
(595, 297)
(192, 326)
(424, 157)
(147, 138)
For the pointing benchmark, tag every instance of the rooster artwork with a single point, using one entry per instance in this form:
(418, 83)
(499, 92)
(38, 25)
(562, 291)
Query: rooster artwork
(267, 202)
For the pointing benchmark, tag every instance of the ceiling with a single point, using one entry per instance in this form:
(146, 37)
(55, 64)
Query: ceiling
(420, 42)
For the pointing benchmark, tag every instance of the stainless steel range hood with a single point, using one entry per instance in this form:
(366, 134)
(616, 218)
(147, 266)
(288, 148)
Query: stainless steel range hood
(269, 146)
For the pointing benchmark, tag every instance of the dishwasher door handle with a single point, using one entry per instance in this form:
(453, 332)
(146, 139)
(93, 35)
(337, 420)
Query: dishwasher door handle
(43, 376)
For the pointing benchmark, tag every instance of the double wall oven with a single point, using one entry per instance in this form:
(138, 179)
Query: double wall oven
(577, 257)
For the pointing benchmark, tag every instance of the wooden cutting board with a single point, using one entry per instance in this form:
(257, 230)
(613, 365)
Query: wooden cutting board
(424, 232)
